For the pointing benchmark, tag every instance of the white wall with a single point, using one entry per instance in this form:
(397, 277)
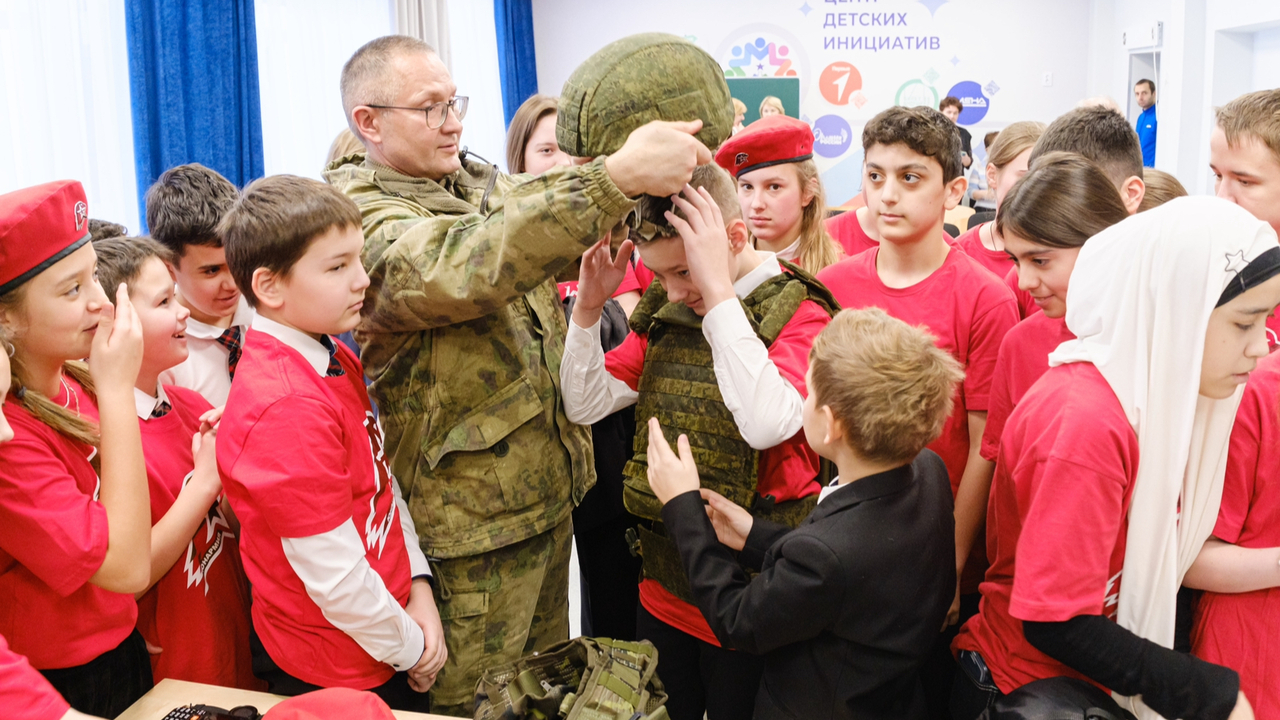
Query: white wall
(1012, 43)
(64, 102)
(1266, 59)
(474, 45)
(302, 45)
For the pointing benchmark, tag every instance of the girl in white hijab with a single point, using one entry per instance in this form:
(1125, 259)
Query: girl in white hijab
(1110, 469)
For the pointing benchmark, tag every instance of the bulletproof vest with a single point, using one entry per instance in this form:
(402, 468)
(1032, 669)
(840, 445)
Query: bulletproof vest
(579, 679)
(678, 386)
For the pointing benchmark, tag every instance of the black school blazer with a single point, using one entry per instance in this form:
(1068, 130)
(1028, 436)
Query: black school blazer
(847, 606)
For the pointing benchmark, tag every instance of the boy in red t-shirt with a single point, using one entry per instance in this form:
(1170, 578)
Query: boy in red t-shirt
(720, 350)
(341, 589)
(195, 613)
(912, 177)
(1244, 156)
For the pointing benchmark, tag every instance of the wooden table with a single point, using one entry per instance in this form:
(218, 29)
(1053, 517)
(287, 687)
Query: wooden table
(170, 694)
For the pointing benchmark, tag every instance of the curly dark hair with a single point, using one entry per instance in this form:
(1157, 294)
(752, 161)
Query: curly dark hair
(922, 129)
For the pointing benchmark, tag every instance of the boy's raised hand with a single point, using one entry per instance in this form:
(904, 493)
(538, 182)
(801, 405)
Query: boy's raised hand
(670, 475)
(706, 244)
(116, 354)
(601, 273)
(731, 522)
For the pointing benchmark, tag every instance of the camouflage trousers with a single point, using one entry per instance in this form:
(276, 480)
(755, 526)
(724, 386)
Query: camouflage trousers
(498, 607)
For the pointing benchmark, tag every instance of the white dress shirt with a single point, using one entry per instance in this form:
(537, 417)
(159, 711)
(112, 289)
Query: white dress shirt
(765, 406)
(332, 565)
(146, 404)
(205, 369)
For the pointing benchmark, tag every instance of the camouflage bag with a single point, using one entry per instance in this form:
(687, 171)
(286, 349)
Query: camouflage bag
(579, 679)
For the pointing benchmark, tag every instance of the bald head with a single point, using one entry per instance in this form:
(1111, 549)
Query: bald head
(370, 77)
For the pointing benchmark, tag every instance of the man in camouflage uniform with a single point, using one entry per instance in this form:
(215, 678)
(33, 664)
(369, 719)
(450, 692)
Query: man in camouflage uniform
(462, 337)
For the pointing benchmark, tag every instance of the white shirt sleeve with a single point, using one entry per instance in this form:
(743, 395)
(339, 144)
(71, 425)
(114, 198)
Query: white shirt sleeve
(766, 407)
(352, 596)
(590, 392)
(418, 566)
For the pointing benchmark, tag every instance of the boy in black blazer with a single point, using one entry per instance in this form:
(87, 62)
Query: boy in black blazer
(846, 606)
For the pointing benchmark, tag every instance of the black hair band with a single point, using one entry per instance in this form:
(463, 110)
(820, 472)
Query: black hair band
(1259, 270)
(771, 163)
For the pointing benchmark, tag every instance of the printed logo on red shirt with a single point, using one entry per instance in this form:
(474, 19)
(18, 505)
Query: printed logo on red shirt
(1111, 601)
(214, 541)
(376, 531)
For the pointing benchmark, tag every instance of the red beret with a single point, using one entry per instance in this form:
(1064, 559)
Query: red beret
(38, 227)
(768, 141)
(332, 704)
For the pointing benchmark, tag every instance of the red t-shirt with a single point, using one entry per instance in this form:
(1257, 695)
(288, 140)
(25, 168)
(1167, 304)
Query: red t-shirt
(24, 693)
(1242, 630)
(997, 261)
(1024, 357)
(53, 538)
(629, 283)
(786, 471)
(1056, 521)
(1026, 304)
(848, 232)
(966, 309)
(199, 611)
(296, 455)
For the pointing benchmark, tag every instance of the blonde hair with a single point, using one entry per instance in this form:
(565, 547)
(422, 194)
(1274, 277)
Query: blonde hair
(62, 420)
(817, 249)
(650, 210)
(1161, 188)
(346, 143)
(887, 383)
(739, 107)
(1013, 141)
(773, 102)
(1256, 114)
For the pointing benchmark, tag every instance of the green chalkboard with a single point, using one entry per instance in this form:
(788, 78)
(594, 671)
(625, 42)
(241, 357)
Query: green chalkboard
(753, 90)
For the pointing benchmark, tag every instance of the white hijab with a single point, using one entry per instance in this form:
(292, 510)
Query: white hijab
(1139, 304)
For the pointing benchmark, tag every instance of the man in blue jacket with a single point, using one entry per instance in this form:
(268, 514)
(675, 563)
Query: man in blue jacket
(1145, 93)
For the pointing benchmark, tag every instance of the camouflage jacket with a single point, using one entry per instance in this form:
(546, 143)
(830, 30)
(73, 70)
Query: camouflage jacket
(463, 334)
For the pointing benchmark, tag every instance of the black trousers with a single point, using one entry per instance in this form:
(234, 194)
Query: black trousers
(610, 577)
(108, 684)
(700, 677)
(972, 690)
(939, 670)
(395, 692)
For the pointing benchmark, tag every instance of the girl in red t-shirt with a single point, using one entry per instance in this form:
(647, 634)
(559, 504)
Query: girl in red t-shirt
(780, 192)
(1237, 621)
(74, 508)
(1044, 221)
(1110, 468)
(1006, 164)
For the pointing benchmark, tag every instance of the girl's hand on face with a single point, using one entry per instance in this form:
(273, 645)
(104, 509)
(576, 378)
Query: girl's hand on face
(116, 355)
(670, 475)
(706, 245)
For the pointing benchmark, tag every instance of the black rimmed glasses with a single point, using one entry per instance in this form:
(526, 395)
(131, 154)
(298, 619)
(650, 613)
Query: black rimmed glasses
(437, 112)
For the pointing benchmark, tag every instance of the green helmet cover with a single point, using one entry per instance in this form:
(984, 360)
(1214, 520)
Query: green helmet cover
(638, 79)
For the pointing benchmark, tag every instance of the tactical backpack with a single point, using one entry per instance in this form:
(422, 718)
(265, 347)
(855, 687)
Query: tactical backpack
(579, 679)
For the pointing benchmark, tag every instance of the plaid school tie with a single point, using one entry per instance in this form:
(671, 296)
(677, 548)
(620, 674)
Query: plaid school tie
(161, 409)
(335, 367)
(231, 340)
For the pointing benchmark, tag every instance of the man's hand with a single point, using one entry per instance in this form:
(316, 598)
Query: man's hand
(706, 245)
(669, 475)
(422, 608)
(732, 523)
(598, 280)
(658, 158)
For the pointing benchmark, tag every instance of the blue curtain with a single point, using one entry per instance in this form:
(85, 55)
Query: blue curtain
(517, 63)
(193, 80)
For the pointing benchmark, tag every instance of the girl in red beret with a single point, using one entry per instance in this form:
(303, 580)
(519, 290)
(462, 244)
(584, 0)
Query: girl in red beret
(779, 190)
(75, 530)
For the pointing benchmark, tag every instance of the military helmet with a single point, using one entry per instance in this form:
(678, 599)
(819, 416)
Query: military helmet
(638, 79)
